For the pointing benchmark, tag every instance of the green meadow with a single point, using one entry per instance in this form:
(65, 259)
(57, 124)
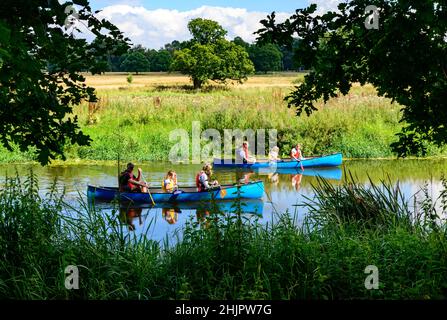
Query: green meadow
(135, 119)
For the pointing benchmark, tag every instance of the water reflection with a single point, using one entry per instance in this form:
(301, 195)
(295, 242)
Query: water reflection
(129, 214)
(132, 215)
(284, 188)
(170, 215)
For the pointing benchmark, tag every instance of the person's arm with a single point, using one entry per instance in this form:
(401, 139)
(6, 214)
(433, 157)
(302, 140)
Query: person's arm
(143, 184)
(139, 174)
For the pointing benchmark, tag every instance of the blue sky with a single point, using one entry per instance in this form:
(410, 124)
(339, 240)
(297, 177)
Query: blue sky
(183, 5)
(153, 23)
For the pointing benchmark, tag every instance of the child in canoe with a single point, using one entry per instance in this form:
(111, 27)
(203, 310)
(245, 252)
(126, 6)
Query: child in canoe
(169, 183)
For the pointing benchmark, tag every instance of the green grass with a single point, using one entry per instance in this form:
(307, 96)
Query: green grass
(229, 256)
(360, 125)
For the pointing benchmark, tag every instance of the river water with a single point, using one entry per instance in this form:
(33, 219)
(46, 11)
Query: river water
(284, 191)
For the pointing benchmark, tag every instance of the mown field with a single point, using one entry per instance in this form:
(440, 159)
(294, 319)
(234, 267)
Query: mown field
(136, 119)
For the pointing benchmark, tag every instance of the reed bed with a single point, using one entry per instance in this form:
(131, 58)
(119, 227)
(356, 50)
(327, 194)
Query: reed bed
(227, 255)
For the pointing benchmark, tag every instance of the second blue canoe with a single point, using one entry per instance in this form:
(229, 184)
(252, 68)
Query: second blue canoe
(330, 160)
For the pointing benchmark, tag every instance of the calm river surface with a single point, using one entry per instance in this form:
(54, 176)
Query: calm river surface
(284, 190)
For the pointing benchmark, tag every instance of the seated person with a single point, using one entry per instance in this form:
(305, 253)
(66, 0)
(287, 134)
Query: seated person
(274, 154)
(297, 155)
(243, 156)
(169, 183)
(130, 183)
(203, 179)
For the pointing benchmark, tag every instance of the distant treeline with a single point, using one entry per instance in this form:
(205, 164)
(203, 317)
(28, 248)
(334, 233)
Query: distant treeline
(265, 58)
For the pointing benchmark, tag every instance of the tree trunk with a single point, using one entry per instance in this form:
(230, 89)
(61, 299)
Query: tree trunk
(197, 83)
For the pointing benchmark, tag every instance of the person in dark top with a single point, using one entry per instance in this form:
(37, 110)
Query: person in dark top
(130, 183)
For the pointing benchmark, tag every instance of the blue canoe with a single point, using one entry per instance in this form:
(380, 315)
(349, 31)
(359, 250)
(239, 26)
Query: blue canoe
(330, 160)
(251, 190)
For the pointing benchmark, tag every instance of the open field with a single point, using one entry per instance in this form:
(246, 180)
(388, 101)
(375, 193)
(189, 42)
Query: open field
(136, 119)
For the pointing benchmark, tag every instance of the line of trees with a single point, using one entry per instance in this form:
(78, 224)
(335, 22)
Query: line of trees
(265, 58)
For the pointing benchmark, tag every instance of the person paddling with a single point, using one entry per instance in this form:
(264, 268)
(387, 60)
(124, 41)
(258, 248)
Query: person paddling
(297, 155)
(203, 179)
(243, 156)
(130, 183)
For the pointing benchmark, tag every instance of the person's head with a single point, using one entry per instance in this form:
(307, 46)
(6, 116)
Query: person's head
(245, 144)
(298, 146)
(171, 174)
(130, 167)
(275, 149)
(207, 168)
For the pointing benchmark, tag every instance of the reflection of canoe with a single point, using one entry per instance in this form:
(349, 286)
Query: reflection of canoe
(327, 173)
(252, 190)
(331, 160)
(254, 206)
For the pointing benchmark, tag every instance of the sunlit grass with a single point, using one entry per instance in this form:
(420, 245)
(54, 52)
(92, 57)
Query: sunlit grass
(138, 118)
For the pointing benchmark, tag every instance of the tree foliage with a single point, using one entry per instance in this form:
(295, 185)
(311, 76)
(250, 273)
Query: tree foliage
(159, 60)
(210, 57)
(265, 58)
(135, 62)
(36, 101)
(405, 60)
(205, 31)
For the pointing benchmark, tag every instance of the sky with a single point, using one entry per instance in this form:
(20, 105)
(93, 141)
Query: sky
(153, 23)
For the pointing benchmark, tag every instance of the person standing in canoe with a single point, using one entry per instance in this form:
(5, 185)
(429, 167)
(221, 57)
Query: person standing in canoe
(130, 183)
(203, 179)
(297, 155)
(243, 156)
(169, 183)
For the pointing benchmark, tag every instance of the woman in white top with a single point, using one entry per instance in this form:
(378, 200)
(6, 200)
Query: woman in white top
(242, 154)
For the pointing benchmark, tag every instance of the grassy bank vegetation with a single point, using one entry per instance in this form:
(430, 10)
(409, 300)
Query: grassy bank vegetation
(137, 119)
(228, 257)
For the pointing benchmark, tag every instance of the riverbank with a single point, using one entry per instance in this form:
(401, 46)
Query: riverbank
(349, 229)
(136, 119)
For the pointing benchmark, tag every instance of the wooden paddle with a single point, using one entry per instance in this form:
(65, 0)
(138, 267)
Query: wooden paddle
(150, 195)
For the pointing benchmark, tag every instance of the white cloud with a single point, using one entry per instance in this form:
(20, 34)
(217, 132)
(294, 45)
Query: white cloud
(326, 5)
(154, 28)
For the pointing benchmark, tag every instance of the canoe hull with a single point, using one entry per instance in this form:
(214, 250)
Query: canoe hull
(331, 160)
(252, 190)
